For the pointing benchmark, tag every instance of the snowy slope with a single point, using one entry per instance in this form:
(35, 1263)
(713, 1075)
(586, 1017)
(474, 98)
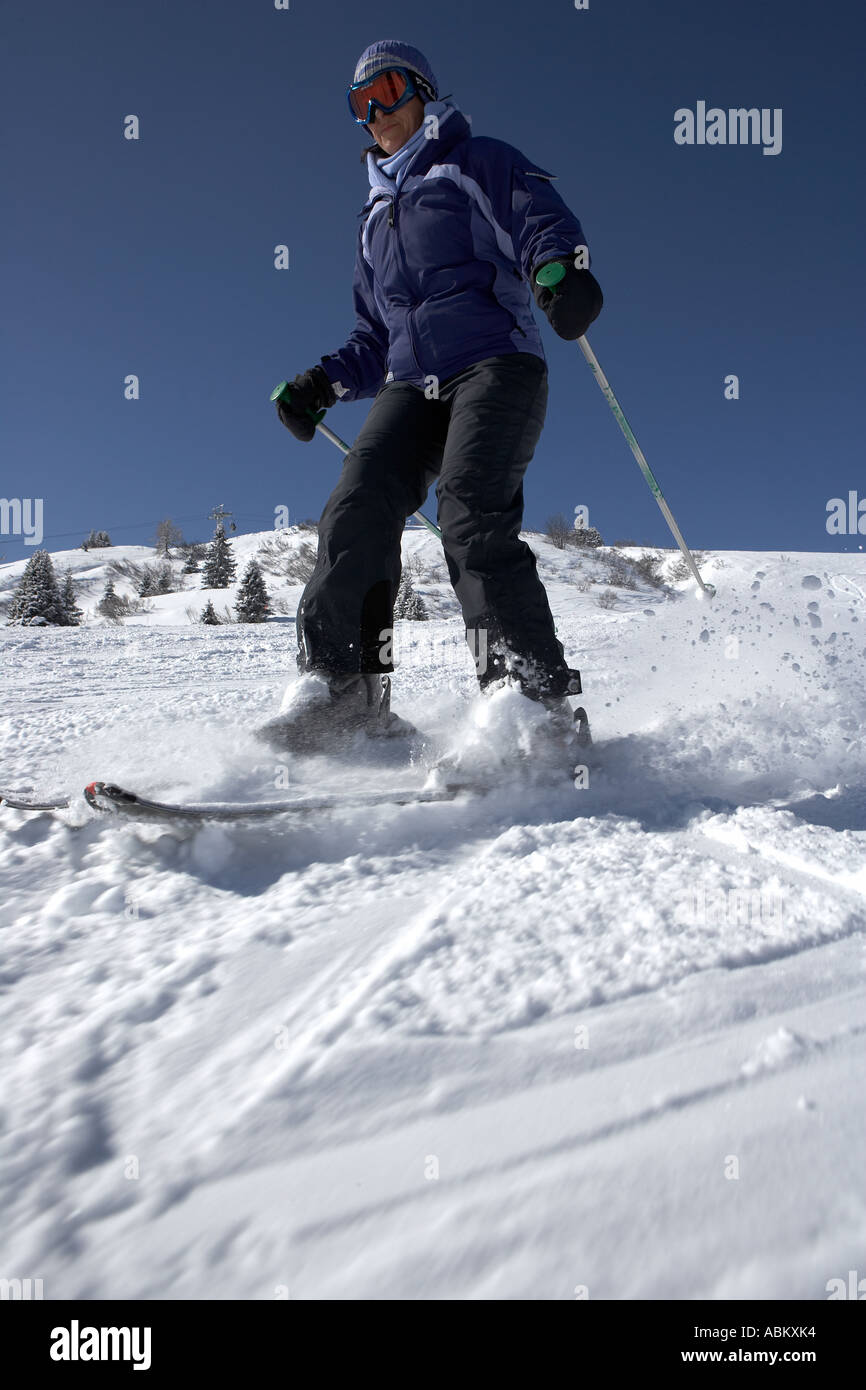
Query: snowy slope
(606, 1039)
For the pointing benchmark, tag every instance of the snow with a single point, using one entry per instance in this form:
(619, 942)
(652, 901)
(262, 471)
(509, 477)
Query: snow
(561, 1040)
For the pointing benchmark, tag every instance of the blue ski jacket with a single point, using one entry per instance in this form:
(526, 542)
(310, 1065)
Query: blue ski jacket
(444, 260)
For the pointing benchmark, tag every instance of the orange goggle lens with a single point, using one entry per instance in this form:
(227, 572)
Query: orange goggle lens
(385, 90)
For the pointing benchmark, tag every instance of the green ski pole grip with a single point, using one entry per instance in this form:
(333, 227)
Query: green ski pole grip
(283, 393)
(550, 275)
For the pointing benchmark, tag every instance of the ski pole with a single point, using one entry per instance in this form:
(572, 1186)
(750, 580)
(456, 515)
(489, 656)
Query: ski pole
(283, 393)
(550, 275)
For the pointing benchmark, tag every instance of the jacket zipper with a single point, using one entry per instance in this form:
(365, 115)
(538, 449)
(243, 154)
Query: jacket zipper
(392, 223)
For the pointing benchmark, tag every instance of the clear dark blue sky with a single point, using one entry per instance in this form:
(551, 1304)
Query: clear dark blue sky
(155, 257)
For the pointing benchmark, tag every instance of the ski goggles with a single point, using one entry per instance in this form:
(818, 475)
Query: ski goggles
(386, 91)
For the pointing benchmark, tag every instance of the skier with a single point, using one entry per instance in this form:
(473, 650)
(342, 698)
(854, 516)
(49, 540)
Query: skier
(451, 238)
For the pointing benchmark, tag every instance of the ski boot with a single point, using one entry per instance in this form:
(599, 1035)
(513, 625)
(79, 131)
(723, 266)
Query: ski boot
(568, 721)
(323, 711)
(515, 729)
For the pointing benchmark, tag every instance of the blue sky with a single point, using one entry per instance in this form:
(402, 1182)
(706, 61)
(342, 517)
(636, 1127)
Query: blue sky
(155, 257)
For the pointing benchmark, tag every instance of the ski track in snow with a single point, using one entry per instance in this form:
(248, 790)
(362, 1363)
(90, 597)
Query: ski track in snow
(500, 1047)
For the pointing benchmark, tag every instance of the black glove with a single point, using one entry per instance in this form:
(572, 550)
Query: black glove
(573, 304)
(310, 391)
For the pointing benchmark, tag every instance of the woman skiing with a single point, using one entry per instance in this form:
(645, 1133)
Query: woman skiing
(451, 238)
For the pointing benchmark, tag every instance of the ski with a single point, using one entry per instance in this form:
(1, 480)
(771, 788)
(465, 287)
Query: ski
(107, 796)
(18, 802)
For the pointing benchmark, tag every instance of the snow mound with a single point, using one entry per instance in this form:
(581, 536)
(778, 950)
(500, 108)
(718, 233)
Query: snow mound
(503, 733)
(778, 1050)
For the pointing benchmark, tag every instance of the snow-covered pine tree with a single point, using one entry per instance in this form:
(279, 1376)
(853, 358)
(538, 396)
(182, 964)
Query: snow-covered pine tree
(111, 604)
(72, 614)
(38, 593)
(156, 579)
(208, 615)
(97, 540)
(219, 568)
(194, 554)
(586, 537)
(253, 602)
(408, 603)
(165, 578)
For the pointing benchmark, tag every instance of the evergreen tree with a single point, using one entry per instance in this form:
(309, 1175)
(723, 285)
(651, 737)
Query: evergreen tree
(587, 537)
(165, 579)
(219, 568)
(409, 604)
(111, 605)
(38, 594)
(156, 579)
(208, 615)
(97, 540)
(253, 603)
(194, 555)
(72, 614)
(146, 587)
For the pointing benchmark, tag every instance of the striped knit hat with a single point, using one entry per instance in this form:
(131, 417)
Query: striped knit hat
(391, 53)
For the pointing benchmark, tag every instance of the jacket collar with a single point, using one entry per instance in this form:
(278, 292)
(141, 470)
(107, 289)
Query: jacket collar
(453, 127)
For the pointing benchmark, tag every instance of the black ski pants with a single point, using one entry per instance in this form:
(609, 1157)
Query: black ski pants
(477, 439)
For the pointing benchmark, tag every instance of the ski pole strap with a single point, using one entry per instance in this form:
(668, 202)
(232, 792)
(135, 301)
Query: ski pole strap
(283, 393)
